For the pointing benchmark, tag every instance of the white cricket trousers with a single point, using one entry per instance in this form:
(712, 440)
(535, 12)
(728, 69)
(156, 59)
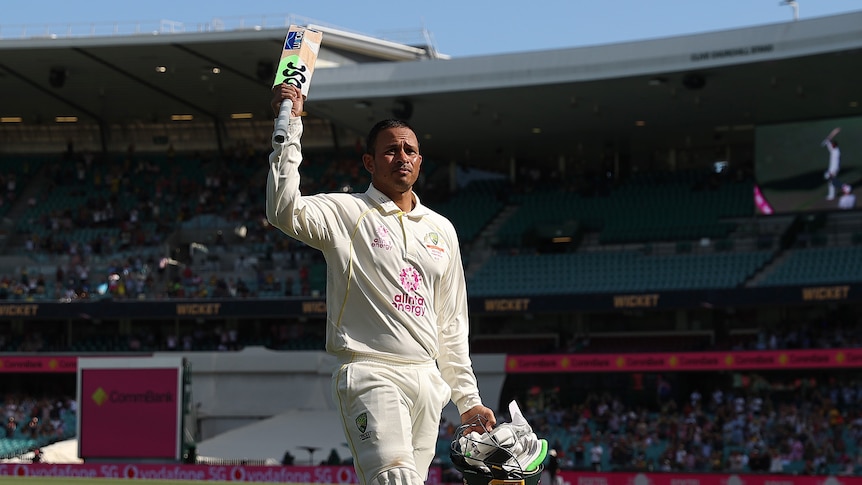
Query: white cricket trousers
(391, 417)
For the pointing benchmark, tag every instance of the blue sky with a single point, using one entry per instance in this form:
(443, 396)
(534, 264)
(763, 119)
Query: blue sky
(459, 28)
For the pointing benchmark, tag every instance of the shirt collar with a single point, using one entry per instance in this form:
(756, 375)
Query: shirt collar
(388, 206)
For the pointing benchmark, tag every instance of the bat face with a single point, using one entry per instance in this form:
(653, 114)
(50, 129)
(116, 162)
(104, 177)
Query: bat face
(296, 65)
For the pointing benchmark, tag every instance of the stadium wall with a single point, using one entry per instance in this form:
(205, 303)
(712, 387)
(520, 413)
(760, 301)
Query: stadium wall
(233, 389)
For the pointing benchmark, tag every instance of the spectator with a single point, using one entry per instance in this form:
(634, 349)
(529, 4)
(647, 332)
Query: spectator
(596, 454)
(11, 427)
(553, 466)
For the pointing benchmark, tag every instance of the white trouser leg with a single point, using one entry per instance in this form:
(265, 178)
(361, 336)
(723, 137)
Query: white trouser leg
(391, 416)
(397, 476)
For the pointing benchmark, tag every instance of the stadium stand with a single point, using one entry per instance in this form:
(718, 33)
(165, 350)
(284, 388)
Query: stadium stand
(816, 266)
(32, 422)
(613, 272)
(723, 428)
(175, 223)
(482, 197)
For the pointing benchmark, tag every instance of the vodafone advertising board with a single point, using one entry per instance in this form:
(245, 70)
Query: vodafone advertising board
(345, 475)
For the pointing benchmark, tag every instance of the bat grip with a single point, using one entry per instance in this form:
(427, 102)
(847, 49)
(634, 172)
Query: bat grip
(280, 133)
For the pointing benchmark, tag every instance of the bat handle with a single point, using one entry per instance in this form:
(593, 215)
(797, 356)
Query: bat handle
(280, 133)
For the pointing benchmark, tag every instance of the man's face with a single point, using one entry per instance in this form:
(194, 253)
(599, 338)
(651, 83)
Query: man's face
(394, 166)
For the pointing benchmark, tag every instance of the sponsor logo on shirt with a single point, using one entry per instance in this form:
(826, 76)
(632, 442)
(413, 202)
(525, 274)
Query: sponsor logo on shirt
(432, 240)
(408, 301)
(383, 240)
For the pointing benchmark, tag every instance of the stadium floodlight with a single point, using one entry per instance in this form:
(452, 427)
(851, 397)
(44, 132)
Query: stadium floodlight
(794, 5)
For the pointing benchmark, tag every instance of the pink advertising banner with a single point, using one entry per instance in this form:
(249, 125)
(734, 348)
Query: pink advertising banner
(38, 364)
(686, 361)
(129, 413)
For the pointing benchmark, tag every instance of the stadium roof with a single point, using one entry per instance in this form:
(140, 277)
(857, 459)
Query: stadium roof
(146, 77)
(660, 92)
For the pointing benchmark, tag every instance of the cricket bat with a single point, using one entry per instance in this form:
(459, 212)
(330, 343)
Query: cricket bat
(295, 67)
(832, 133)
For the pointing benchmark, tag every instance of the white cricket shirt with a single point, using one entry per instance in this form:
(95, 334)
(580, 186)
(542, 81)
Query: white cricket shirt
(395, 286)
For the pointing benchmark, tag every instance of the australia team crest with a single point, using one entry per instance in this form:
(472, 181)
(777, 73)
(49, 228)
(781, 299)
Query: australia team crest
(432, 244)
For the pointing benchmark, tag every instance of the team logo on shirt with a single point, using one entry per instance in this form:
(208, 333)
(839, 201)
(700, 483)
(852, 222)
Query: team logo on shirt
(383, 239)
(407, 301)
(432, 240)
(362, 426)
(362, 422)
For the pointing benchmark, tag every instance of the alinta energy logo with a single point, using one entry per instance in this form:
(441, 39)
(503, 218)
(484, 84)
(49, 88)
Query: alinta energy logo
(383, 239)
(100, 396)
(408, 301)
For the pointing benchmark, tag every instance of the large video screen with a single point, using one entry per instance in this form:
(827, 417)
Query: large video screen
(796, 169)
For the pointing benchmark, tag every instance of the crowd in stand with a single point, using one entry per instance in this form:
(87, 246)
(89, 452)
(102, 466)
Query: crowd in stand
(43, 419)
(139, 203)
(141, 199)
(801, 427)
(757, 425)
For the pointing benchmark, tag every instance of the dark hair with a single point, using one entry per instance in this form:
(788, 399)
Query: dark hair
(371, 139)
